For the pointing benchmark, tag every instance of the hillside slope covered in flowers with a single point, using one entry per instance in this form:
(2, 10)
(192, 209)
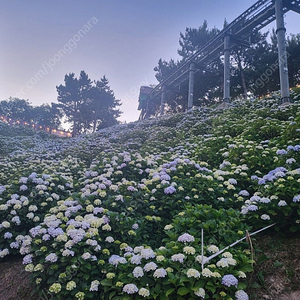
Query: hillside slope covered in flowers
(118, 214)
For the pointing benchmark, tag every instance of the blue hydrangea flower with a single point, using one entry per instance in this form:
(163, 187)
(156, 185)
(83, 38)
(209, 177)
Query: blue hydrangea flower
(169, 190)
(230, 280)
(241, 295)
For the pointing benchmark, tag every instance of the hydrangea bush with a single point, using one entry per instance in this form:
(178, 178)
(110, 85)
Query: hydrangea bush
(119, 214)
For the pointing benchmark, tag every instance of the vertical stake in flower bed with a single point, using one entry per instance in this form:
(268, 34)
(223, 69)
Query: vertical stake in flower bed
(202, 260)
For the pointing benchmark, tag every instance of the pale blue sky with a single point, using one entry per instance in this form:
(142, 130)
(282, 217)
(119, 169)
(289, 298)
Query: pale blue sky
(123, 40)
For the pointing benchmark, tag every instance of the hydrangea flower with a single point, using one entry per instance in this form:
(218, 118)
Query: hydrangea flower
(213, 249)
(178, 257)
(186, 238)
(55, 288)
(147, 253)
(169, 190)
(244, 193)
(265, 217)
(8, 235)
(241, 295)
(52, 257)
(94, 286)
(193, 273)
(159, 273)
(71, 285)
(252, 207)
(136, 259)
(229, 280)
(138, 272)
(116, 259)
(199, 258)
(144, 292)
(281, 152)
(130, 288)
(200, 293)
(207, 272)
(189, 250)
(151, 266)
(27, 259)
(296, 198)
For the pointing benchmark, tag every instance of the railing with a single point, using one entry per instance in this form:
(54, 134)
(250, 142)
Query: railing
(253, 19)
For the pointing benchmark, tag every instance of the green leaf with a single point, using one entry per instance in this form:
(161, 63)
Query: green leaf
(169, 292)
(183, 291)
(157, 288)
(184, 279)
(105, 282)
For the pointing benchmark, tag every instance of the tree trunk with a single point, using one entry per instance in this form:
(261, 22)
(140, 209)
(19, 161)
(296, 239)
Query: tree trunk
(242, 76)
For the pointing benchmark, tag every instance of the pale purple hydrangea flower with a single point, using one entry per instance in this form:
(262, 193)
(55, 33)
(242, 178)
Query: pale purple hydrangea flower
(23, 180)
(229, 280)
(116, 259)
(16, 220)
(130, 288)
(169, 190)
(46, 237)
(252, 207)
(136, 259)
(138, 272)
(94, 286)
(52, 257)
(147, 253)
(27, 259)
(296, 198)
(35, 231)
(14, 245)
(151, 266)
(186, 238)
(23, 187)
(131, 188)
(68, 252)
(98, 210)
(232, 181)
(281, 152)
(244, 193)
(8, 235)
(290, 161)
(241, 295)
(264, 200)
(135, 226)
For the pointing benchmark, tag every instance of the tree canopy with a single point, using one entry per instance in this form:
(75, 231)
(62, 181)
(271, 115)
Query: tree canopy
(88, 105)
(19, 109)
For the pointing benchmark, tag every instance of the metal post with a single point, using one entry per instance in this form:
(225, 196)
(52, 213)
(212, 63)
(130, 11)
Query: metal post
(191, 86)
(282, 54)
(226, 69)
(163, 99)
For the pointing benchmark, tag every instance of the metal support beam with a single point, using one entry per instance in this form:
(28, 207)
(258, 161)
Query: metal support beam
(226, 97)
(191, 87)
(282, 54)
(163, 100)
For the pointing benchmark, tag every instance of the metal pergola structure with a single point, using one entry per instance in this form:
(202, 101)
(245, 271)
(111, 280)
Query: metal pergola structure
(238, 32)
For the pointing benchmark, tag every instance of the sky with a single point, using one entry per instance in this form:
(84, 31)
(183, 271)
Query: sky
(42, 41)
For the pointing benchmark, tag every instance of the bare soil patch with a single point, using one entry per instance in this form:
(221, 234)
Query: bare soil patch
(276, 274)
(15, 281)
